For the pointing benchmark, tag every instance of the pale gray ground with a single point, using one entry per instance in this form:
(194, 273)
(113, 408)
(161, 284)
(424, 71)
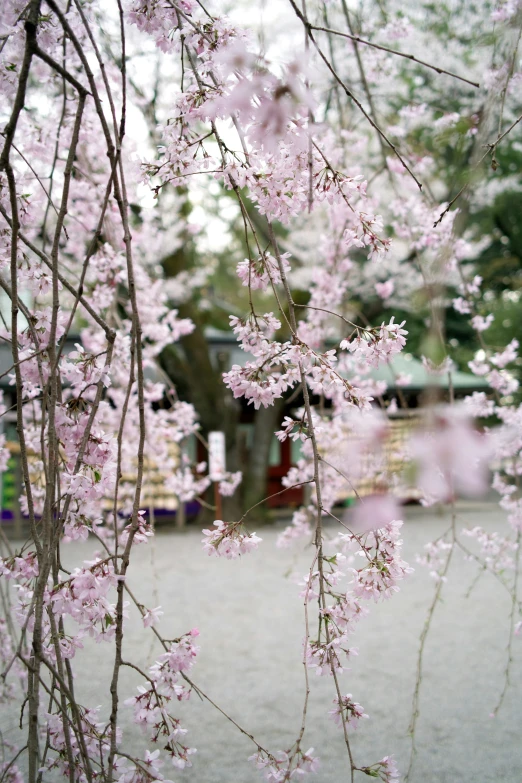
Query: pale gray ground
(251, 623)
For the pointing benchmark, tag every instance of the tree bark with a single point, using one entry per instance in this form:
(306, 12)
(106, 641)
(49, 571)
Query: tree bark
(255, 481)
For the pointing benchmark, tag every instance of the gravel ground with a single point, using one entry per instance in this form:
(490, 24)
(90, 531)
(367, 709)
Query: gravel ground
(251, 624)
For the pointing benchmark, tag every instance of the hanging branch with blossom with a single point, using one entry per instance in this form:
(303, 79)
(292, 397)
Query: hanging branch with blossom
(90, 422)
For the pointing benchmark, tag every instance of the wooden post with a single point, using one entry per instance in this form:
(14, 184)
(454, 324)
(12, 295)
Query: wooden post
(181, 517)
(217, 501)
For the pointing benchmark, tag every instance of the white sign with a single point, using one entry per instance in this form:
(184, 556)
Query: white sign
(216, 455)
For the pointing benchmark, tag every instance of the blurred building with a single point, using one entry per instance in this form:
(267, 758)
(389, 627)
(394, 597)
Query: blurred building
(402, 401)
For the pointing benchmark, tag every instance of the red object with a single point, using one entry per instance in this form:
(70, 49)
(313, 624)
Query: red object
(289, 497)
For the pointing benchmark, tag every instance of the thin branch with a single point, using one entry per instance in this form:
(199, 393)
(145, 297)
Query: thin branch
(350, 94)
(411, 57)
(274, 494)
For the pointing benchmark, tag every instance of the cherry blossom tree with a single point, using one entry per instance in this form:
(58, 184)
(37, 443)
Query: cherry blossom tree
(336, 193)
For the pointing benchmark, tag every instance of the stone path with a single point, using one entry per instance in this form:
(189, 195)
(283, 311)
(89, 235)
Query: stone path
(251, 620)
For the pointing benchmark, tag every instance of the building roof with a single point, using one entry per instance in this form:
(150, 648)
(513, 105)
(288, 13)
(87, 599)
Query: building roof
(225, 342)
(402, 364)
(405, 363)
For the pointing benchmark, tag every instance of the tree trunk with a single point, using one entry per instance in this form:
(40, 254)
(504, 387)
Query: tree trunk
(197, 381)
(255, 480)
